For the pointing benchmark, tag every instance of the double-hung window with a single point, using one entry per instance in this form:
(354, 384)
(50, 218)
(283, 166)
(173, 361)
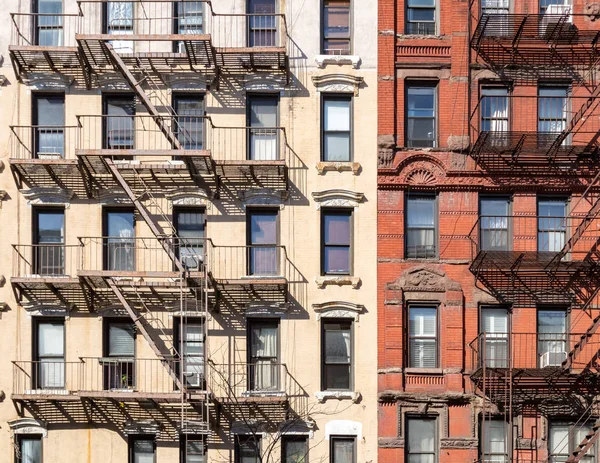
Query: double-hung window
(495, 443)
(189, 342)
(552, 337)
(263, 133)
(119, 21)
(494, 337)
(49, 240)
(189, 119)
(494, 115)
(119, 122)
(29, 449)
(420, 17)
(494, 222)
(421, 226)
(336, 241)
(337, 128)
(247, 449)
(563, 439)
(119, 362)
(50, 354)
(421, 115)
(190, 224)
(294, 449)
(263, 253)
(192, 449)
(552, 225)
(423, 341)
(552, 114)
(421, 442)
(189, 19)
(48, 27)
(343, 450)
(337, 354)
(141, 449)
(336, 27)
(48, 126)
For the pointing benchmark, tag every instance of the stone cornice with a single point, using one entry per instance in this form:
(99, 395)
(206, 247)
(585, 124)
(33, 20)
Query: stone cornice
(337, 83)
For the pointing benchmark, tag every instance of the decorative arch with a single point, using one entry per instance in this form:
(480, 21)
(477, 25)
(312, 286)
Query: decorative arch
(48, 196)
(22, 426)
(337, 198)
(344, 83)
(263, 197)
(421, 170)
(188, 197)
(338, 309)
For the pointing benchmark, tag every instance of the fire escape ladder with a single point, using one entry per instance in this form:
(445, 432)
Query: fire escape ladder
(578, 347)
(586, 444)
(137, 319)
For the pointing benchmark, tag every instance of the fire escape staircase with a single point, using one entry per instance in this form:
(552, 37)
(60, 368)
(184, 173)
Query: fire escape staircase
(586, 444)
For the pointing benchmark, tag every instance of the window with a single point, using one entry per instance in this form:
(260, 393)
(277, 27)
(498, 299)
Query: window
(343, 450)
(420, 17)
(422, 348)
(262, 243)
(247, 449)
(49, 354)
(421, 226)
(336, 27)
(421, 441)
(552, 109)
(494, 109)
(189, 19)
(189, 342)
(336, 240)
(119, 347)
(189, 122)
(495, 443)
(498, 22)
(337, 128)
(29, 449)
(420, 115)
(552, 337)
(552, 224)
(263, 355)
(141, 449)
(190, 227)
(48, 28)
(119, 123)
(494, 339)
(493, 223)
(555, 7)
(294, 449)
(48, 240)
(262, 23)
(48, 126)
(119, 241)
(118, 20)
(497, 7)
(337, 354)
(192, 449)
(563, 439)
(263, 119)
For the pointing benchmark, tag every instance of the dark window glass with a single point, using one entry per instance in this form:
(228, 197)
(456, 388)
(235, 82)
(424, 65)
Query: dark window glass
(336, 27)
(295, 449)
(552, 224)
(263, 368)
(189, 123)
(190, 228)
(337, 242)
(50, 355)
(422, 440)
(262, 245)
(421, 226)
(262, 23)
(141, 450)
(420, 17)
(119, 368)
(48, 28)
(119, 240)
(247, 449)
(337, 128)
(29, 450)
(49, 131)
(493, 222)
(423, 342)
(119, 124)
(337, 355)
(342, 450)
(49, 238)
(494, 328)
(193, 449)
(420, 116)
(552, 337)
(189, 338)
(263, 134)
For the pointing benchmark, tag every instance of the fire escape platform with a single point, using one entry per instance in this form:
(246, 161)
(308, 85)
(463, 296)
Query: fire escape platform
(238, 59)
(245, 174)
(121, 396)
(63, 173)
(55, 291)
(46, 60)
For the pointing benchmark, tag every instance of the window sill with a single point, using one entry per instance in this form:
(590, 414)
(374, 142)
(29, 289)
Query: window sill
(337, 280)
(338, 166)
(424, 371)
(322, 396)
(324, 60)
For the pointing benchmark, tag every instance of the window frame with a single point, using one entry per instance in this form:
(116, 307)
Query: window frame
(176, 97)
(509, 223)
(337, 97)
(250, 97)
(333, 439)
(252, 322)
(175, 217)
(106, 238)
(435, 21)
(250, 211)
(350, 27)
(436, 433)
(178, 345)
(19, 448)
(238, 444)
(35, 236)
(509, 106)
(409, 337)
(567, 316)
(351, 365)
(426, 83)
(508, 444)
(35, 354)
(549, 199)
(338, 212)
(35, 116)
(491, 363)
(106, 97)
(436, 229)
(294, 437)
(572, 444)
(183, 440)
(140, 437)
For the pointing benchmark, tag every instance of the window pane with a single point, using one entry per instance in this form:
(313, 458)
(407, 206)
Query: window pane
(494, 207)
(51, 338)
(421, 435)
(143, 451)
(336, 147)
(263, 112)
(420, 211)
(422, 321)
(337, 115)
(337, 19)
(248, 450)
(337, 346)
(343, 451)
(193, 451)
(336, 228)
(51, 227)
(421, 101)
(421, 14)
(421, 132)
(336, 259)
(295, 450)
(423, 353)
(263, 228)
(31, 450)
(121, 340)
(50, 110)
(494, 442)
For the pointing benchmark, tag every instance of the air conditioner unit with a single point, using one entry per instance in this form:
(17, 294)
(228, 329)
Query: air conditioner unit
(194, 378)
(552, 20)
(552, 359)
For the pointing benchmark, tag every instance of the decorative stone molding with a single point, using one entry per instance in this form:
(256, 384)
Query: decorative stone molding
(391, 442)
(28, 426)
(592, 11)
(323, 167)
(256, 309)
(48, 196)
(337, 198)
(112, 311)
(112, 197)
(41, 310)
(386, 145)
(337, 281)
(112, 82)
(338, 309)
(142, 427)
(260, 83)
(297, 428)
(38, 82)
(339, 60)
(188, 197)
(337, 83)
(184, 83)
(343, 428)
(457, 443)
(424, 279)
(263, 197)
(322, 396)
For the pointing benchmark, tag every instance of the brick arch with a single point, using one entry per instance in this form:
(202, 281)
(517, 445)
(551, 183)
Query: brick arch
(421, 170)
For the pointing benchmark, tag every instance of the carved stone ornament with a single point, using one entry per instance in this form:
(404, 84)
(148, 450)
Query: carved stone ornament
(337, 281)
(343, 428)
(592, 11)
(112, 82)
(259, 83)
(142, 427)
(48, 196)
(338, 309)
(257, 309)
(112, 311)
(337, 198)
(424, 279)
(38, 82)
(297, 428)
(457, 443)
(47, 310)
(339, 60)
(386, 145)
(114, 196)
(183, 82)
(323, 167)
(323, 396)
(263, 197)
(28, 426)
(337, 83)
(188, 197)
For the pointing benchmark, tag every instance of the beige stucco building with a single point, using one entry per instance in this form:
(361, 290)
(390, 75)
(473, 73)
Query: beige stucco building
(188, 231)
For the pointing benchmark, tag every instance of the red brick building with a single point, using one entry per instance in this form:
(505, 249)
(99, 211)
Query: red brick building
(488, 230)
